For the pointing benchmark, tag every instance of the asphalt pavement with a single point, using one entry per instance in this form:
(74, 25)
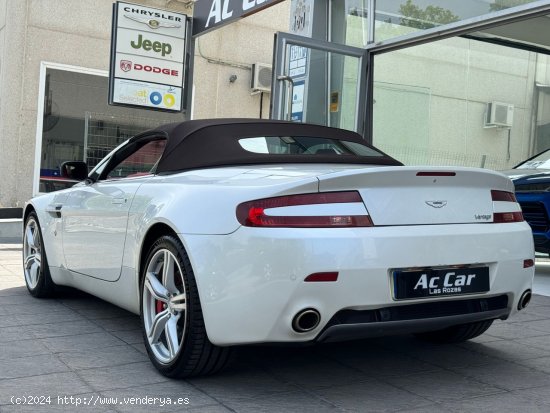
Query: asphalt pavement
(78, 353)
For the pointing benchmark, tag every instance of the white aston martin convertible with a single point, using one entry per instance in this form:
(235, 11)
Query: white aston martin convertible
(228, 232)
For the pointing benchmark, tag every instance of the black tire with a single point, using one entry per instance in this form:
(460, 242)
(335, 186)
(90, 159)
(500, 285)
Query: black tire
(456, 334)
(35, 263)
(196, 355)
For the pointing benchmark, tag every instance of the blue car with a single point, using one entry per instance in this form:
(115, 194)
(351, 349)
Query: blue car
(532, 181)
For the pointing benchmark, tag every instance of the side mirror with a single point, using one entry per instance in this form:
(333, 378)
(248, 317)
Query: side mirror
(76, 170)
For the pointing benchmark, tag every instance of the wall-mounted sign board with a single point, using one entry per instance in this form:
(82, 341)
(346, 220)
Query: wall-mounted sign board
(212, 14)
(148, 49)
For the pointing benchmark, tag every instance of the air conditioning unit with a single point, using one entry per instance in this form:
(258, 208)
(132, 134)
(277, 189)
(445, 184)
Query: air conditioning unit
(499, 115)
(261, 77)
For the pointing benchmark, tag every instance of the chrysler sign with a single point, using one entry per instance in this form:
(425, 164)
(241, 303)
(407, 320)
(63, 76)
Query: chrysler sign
(147, 57)
(211, 14)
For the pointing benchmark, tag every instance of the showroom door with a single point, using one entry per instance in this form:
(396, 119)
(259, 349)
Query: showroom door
(319, 82)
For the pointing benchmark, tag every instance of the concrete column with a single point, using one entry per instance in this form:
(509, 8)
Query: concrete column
(13, 30)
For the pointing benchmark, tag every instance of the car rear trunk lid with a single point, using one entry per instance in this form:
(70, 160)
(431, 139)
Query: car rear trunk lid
(424, 195)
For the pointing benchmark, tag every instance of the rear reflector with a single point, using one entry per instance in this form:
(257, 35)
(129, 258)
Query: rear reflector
(322, 277)
(500, 217)
(252, 213)
(503, 196)
(528, 263)
(435, 173)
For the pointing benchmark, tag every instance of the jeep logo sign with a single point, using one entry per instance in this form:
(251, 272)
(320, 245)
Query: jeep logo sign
(158, 47)
(211, 14)
(148, 51)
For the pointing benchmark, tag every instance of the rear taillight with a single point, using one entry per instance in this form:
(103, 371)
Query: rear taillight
(500, 217)
(503, 196)
(269, 212)
(507, 216)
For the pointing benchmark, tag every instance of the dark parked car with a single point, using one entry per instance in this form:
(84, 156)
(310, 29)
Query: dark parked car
(532, 181)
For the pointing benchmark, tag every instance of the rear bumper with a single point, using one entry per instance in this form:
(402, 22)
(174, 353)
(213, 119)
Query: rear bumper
(351, 324)
(251, 283)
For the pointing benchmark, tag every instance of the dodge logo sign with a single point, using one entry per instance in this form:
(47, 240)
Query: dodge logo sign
(126, 65)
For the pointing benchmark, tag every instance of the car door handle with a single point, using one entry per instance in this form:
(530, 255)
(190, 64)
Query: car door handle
(118, 201)
(54, 209)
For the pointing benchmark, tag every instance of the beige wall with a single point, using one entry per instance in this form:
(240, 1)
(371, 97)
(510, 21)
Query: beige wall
(76, 32)
(235, 48)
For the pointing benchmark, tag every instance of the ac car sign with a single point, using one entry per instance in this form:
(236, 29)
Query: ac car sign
(211, 14)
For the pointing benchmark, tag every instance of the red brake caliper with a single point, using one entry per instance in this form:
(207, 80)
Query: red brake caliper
(158, 306)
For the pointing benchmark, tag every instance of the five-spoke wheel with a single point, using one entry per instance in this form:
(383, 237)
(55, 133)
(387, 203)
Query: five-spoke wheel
(164, 305)
(35, 264)
(171, 314)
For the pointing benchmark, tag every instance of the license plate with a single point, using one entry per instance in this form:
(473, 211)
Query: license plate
(435, 282)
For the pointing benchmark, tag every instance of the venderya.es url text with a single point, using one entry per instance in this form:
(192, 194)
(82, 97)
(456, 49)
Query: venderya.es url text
(96, 400)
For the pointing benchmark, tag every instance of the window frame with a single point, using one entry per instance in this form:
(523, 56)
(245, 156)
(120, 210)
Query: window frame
(119, 155)
(44, 66)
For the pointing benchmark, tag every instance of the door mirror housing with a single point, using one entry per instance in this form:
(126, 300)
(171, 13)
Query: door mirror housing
(76, 170)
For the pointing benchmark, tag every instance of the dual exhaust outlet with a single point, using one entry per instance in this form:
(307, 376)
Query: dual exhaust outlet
(306, 320)
(524, 299)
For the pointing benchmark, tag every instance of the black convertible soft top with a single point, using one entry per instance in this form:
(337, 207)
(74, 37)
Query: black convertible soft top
(215, 142)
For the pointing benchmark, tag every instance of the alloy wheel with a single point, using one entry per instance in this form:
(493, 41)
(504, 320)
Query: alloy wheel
(32, 253)
(164, 306)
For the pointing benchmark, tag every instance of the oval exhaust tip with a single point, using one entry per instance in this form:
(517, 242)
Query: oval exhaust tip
(524, 300)
(306, 320)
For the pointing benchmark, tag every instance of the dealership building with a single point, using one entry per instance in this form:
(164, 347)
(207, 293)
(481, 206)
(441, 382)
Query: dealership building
(439, 82)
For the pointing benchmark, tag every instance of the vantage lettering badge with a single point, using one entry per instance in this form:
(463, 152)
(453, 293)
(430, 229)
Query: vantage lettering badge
(147, 57)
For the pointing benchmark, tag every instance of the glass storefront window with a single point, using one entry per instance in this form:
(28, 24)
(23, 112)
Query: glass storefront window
(400, 17)
(431, 103)
(349, 19)
(79, 125)
(349, 24)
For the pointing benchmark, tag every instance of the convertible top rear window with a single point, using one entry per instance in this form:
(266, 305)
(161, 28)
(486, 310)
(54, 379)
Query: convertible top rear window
(229, 142)
(305, 145)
